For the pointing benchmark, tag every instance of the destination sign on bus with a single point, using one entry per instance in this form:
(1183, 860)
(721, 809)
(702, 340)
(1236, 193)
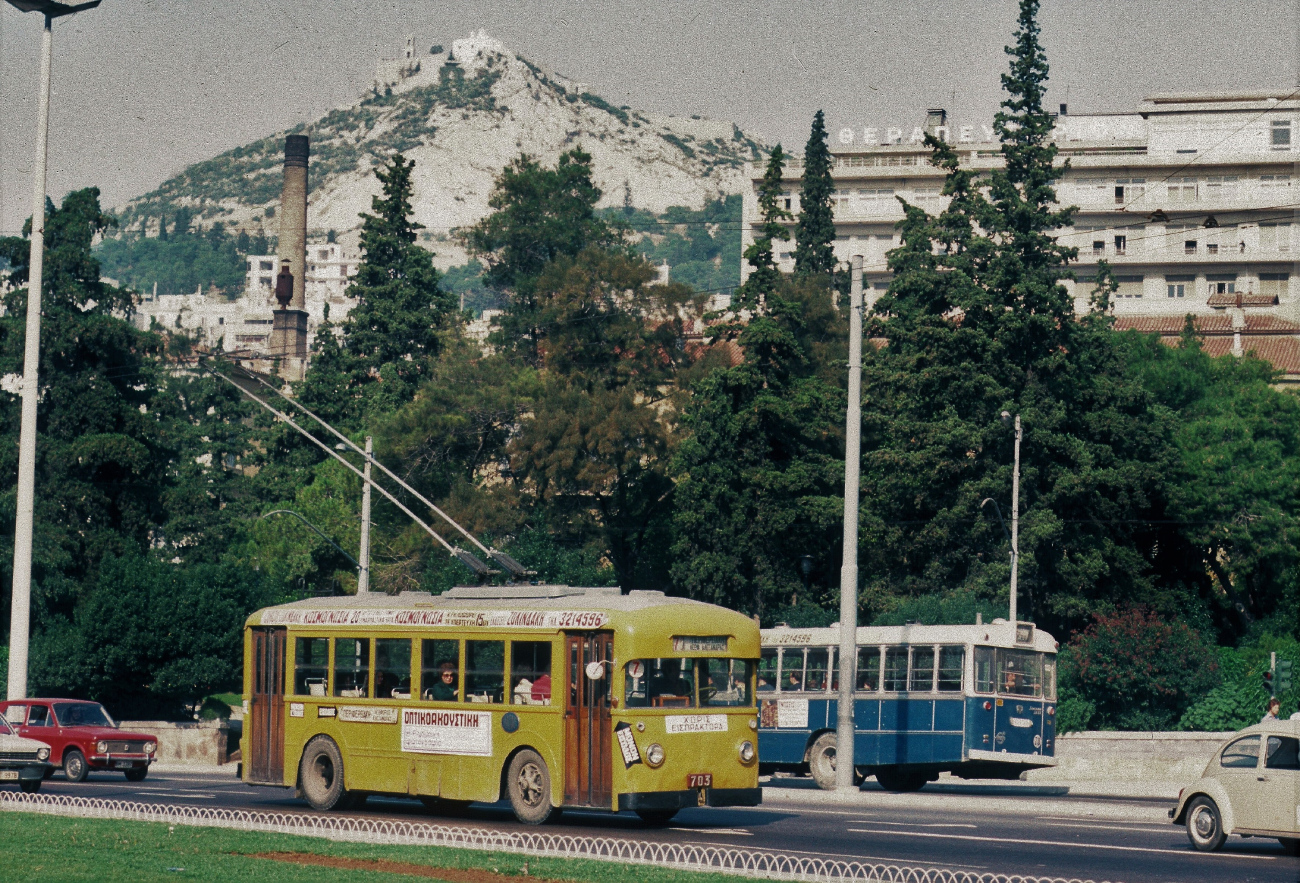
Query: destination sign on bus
(536, 619)
(699, 643)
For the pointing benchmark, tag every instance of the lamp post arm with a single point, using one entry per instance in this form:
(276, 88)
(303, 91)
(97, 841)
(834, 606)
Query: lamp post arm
(318, 532)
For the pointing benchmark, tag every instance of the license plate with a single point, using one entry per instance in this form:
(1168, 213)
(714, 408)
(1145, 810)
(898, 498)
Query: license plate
(123, 765)
(699, 780)
(8, 775)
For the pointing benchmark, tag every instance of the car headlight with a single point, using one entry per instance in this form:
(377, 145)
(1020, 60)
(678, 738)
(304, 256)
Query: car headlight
(746, 751)
(101, 747)
(654, 755)
(150, 747)
(42, 754)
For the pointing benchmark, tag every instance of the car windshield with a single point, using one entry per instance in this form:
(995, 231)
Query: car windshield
(82, 714)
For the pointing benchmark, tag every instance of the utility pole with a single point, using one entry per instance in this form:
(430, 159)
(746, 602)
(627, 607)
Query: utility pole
(849, 571)
(363, 572)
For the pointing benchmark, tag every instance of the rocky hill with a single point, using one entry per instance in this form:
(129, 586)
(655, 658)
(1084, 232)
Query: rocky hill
(462, 116)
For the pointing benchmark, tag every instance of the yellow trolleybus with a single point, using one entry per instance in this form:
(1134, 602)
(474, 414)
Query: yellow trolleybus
(549, 696)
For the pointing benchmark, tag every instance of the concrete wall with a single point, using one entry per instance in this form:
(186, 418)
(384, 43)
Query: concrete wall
(1120, 757)
(204, 743)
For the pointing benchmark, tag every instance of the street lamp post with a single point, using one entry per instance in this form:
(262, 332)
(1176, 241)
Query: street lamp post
(1015, 516)
(20, 607)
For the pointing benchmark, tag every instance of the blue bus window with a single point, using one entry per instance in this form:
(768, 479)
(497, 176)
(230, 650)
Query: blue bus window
(791, 670)
(952, 660)
(983, 669)
(868, 669)
(895, 670)
(767, 670)
(818, 665)
(922, 679)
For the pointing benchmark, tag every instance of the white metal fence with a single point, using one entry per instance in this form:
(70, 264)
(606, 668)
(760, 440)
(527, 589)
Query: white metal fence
(692, 857)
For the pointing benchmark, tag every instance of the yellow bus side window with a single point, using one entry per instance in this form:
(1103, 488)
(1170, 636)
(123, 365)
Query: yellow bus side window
(310, 666)
(392, 668)
(351, 667)
(530, 672)
(439, 670)
(485, 671)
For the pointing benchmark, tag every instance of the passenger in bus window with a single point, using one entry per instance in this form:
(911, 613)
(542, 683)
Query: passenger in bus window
(542, 690)
(1010, 682)
(793, 682)
(445, 688)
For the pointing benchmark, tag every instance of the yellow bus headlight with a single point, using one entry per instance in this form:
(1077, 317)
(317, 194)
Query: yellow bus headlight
(654, 755)
(746, 751)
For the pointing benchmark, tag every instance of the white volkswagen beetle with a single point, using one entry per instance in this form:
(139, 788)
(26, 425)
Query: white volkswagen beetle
(1250, 787)
(23, 762)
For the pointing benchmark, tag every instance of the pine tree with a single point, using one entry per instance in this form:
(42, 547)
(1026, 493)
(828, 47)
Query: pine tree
(815, 233)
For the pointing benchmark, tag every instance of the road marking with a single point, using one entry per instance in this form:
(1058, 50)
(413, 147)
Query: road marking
(1150, 829)
(199, 794)
(737, 831)
(925, 825)
(1016, 842)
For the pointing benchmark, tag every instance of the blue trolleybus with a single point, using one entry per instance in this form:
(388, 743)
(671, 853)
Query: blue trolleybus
(978, 701)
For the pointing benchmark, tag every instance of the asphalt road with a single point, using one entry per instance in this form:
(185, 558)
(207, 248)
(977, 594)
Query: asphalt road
(970, 827)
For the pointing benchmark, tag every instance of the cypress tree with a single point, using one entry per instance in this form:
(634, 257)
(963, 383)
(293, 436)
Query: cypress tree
(815, 232)
(764, 278)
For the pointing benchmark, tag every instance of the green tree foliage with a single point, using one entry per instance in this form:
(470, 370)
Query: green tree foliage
(150, 637)
(702, 247)
(815, 233)
(596, 448)
(765, 277)
(179, 263)
(1138, 670)
(760, 475)
(1235, 484)
(393, 335)
(977, 323)
(539, 215)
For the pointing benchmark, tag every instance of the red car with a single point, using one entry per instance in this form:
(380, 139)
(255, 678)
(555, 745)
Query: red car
(82, 737)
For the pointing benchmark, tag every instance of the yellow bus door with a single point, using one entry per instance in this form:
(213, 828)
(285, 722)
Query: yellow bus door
(587, 769)
(266, 708)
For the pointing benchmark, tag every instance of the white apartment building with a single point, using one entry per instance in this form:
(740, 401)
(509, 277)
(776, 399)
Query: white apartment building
(1191, 199)
(245, 324)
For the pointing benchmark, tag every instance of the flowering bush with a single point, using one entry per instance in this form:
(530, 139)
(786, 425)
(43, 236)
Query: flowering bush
(1137, 671)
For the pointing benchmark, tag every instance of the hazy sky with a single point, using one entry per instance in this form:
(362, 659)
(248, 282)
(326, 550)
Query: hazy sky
(143, 88)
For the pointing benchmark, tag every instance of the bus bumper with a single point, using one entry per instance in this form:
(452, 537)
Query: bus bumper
(691, 797)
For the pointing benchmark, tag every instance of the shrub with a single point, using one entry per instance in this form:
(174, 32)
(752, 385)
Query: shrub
(1138, 671)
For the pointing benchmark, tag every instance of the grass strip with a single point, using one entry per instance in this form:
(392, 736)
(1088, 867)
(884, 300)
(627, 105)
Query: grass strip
(54, 849)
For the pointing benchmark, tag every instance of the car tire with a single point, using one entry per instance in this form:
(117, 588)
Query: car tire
(1205, 824)
(900, 781)
(656, 817)
(821, 761)
(528, 784)
(30, 786)
(321, 773)
(75, 766)
(136, 774)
